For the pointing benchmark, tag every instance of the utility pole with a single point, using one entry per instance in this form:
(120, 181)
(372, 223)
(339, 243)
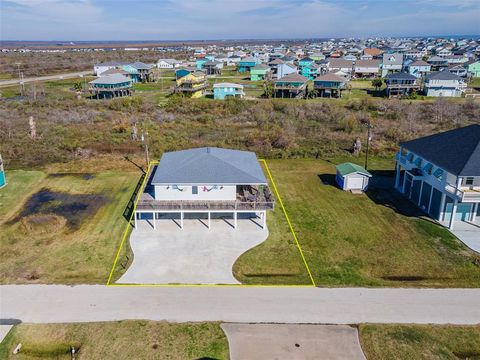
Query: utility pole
(145, 144)
(369, 137)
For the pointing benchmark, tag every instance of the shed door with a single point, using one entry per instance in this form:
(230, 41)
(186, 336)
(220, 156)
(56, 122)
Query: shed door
(355, 183)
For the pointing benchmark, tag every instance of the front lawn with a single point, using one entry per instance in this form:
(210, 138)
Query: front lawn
(373, 239)
(405, 342)
(117, 340)
(63, 224)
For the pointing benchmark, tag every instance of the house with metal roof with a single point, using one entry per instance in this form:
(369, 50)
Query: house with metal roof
(291, 86)
(110, 86)
(191, 85)
(401, 84)
(259, 72)
(444, 83)
(213, 67)
(245, 64)
(205, 181)
(440, 173)
(329, 85)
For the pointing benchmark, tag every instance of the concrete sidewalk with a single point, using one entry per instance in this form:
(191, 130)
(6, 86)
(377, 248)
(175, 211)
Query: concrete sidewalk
(84, 303)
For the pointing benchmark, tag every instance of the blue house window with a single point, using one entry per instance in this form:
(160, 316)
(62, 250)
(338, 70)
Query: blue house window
(418, 162)
(428, 168)
(410, 157)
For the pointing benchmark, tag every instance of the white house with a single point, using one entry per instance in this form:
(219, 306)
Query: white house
(206, 181)
(444, 83)
(102, 67)
(392, 63)
(168, 64)
(367, 68)
(352, 177)
(440, 173)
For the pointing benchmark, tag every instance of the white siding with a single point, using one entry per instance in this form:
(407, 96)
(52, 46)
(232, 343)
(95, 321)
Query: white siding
(172, 193)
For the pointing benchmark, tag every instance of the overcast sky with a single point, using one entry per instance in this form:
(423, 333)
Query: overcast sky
(233, 19)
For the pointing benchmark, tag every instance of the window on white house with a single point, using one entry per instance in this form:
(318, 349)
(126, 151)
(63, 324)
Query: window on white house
(194, 190)
(469, 181)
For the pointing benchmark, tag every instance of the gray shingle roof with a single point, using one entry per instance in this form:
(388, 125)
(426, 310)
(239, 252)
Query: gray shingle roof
(457, 151)
(209, 165)
(443, 75)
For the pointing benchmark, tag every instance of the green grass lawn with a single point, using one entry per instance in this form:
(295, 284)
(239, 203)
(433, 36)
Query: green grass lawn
(117, 340)
(367, 240)
(427, 342)
(475, 82)
(71, 238)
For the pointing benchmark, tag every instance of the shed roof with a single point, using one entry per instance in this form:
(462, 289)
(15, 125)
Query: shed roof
(457, 151)
(351, 168)
(209, 165)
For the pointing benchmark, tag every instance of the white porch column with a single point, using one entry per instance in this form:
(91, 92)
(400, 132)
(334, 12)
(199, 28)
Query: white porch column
(397, 177)
(454, 212)
(404, 182)
(474, 212)
(235, 220)
(420, 195)
(181, 219)
(209, 222)
(430, 201)
(154, 220)
(442, 207)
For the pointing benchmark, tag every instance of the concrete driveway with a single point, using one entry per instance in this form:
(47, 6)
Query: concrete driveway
(289, 341)
(192, 255)
(468, 233)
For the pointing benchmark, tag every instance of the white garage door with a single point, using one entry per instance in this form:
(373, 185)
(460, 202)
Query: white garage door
(355, 183)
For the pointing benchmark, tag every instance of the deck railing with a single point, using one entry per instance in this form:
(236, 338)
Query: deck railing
(181, 205)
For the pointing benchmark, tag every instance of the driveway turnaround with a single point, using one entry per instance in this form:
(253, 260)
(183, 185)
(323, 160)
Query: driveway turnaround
(192, 255)
(84, 303)
(468, 233)
(291, 341)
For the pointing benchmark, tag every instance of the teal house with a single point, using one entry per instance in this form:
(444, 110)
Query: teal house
(259, 72)
(225, 90)
(111, 86)
(329, 85)
(308, 68)
(200, 62)
(474, 69)
(132, 71)
(246, 64)
(305, 62)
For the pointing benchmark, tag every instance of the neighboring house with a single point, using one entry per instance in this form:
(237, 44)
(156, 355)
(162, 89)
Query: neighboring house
(247, 63)
(102, 67)
(456, 59)
(329, 85)
(305, 62)
(459, 70)
(291, 86)
(192, 85)
(206, 181)
(340, 64)
(444, 83)
(310, 72)
(419, 68)
(352, 177)
(143, 71)
(259, 72)
(373, 52)
(367, 68)
(437, 63)
(168, 63)
(317, 56)
(225, 90)
(233, 60)
(182, 72)
(401, 84)
(111, 86)
(199, 63)
(392, 63)
(441, 174)
(474, 69)
(213, 67)
(279, 68)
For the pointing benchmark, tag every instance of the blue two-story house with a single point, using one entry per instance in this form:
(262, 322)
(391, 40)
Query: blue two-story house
(440, 173)
(246, 64)
(225, 90)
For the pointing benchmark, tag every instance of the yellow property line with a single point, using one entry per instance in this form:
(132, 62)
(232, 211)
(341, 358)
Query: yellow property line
(130, 220)
(288, 220)
(212, 285)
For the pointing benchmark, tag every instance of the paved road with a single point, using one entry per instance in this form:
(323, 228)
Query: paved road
(292, 341)
(59, 303)
(44, 78)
